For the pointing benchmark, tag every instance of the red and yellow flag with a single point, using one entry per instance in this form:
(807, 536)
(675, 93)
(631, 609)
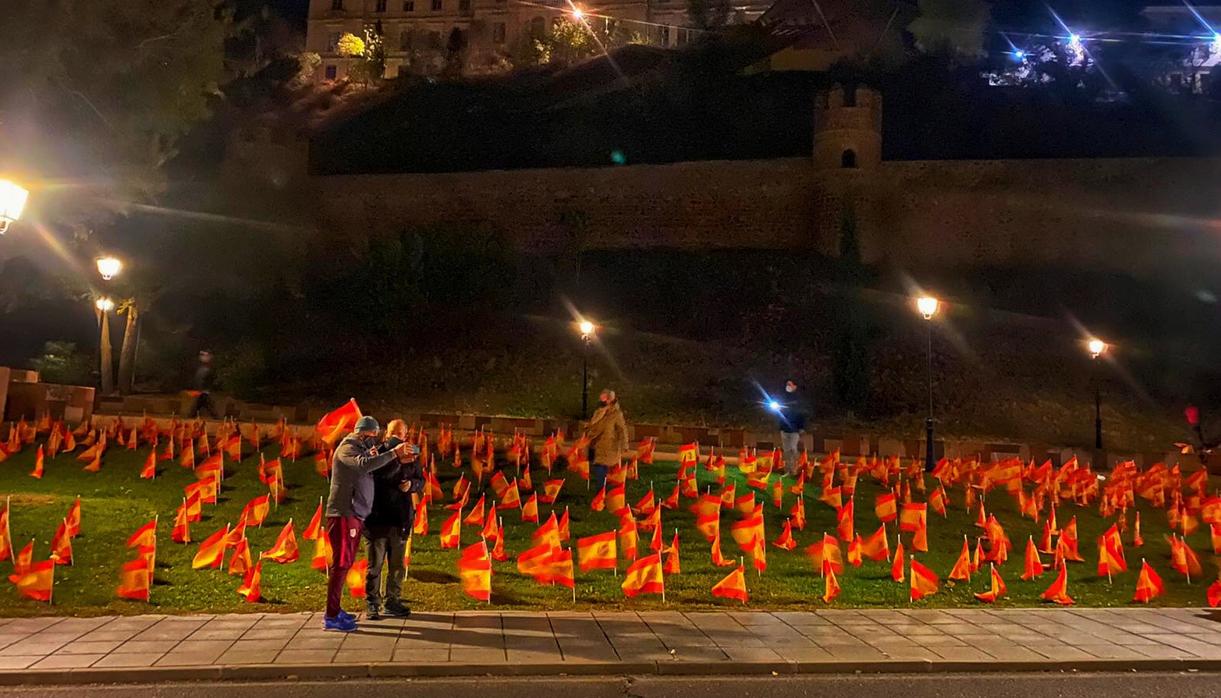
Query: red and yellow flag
(1149, 584)
(251, 588)
(451, 531)
(211, 550)
(1033, 565)
(255, 512)
(39, 462)
(923, 581)
(135, 580)
(144, 536)
(1058, 591)
(355, 579)
(322, 554)
(886, 507)
(61, 545)
(73, 520)
(284, 550)
(876, 547)
(475, 571)
(831, 586)
(996, 589)
(733, 586)
(36, 581)
(962, 567)
(844, 523)
(337, 423)
(597, 552)
(529, 512)
(240, 562)
(315, 528)
(644, 576)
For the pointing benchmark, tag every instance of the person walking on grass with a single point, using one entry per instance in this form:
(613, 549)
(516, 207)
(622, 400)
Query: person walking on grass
(607, 434)
(388, 527)
(356, 458)
(791, 418)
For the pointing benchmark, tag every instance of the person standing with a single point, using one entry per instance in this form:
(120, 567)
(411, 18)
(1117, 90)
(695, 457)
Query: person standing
(350, 501)
(388, 527)
(202, 384)
(791, 418)
(607, 434)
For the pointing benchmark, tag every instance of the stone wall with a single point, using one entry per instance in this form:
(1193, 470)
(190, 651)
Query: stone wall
(1143, 216)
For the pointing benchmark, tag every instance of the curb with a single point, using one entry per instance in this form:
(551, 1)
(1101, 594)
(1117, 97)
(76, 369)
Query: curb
(266, 672)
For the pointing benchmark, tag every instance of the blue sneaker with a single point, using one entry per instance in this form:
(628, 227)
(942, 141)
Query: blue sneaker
(346, 616)
(339, 624)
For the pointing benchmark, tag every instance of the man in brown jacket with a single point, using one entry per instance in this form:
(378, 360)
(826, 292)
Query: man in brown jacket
(607, 434)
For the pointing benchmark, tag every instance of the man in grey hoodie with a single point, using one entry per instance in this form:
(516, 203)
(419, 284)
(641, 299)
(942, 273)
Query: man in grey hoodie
(350, 501)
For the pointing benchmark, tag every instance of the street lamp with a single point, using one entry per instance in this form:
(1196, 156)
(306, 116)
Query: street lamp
(12, 201)
(927, 305)
(1097, 348)
(104, 304)
(588, 331)
(109, 267)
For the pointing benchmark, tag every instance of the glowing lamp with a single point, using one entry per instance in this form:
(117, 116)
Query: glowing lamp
(109, 267)
(1096, 347)
(104, 304)
(12, 201)
(927, 305)
(577, 13)
(1019, 55)
(773, 406)
(1216, 47)
(587, 329)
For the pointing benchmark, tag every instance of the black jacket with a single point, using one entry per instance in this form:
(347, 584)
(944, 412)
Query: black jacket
(393, 509)
(794, 413)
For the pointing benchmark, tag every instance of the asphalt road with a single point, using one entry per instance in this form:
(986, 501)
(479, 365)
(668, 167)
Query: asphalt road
(991, 685)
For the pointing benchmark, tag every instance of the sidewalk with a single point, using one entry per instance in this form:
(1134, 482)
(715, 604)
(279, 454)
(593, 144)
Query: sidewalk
(263, 646)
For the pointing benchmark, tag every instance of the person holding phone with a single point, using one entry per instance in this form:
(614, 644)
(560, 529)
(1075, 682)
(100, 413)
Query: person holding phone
(388, 527)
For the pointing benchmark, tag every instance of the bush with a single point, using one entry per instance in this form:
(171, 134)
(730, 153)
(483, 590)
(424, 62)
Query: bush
(243, 370)
(60, 362)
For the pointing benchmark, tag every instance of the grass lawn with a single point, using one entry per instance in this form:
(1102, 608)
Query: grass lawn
(115, 502)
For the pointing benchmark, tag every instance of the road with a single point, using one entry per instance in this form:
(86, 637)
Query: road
(991, 685)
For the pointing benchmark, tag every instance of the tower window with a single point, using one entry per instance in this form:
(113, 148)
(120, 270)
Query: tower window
(847, 159)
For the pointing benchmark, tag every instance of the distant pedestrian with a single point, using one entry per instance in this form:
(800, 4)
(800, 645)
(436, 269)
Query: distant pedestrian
(388, 527)
(607, 433)
(349, 504)
(202, 384)
(791, 416)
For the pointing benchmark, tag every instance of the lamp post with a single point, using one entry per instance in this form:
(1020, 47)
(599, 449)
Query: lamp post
(1097, 348)
(927, 305)
(588, 330)
(12, 201)
(104, 305)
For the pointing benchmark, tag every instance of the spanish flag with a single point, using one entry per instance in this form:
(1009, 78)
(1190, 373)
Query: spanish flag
(898, 566)
(597, 552)
(73, 520)
(61, 545)
(923, 581)
(255, 512)
(314, 530)
(511, 498)
(36, 581)
(284, 550)
(710, 525)
(475, 571)
(785, 541)
(962, 567)
(211, 550)
(1149, 584)
(746, 531)
(475, 518)
(252, 587)
(149, 471)
(616, 501)
(718, 558)
(628, 536)
(733, 586)
(144, 536)
(135, 580)
(337, 423)
(551, 491)
(886, 507)
(549, 532)
(6, 539)
(876, 547)
(529, 512)
(38, 463)
(996, 590)
(1033, 566)
(598, 503)
(644, 576)
(1058, 591)
(844, 522)
(240, 562)
(707, 505)
(831, 586)
(322, 554)
(451, 531)
(419, 527)
(355, 579)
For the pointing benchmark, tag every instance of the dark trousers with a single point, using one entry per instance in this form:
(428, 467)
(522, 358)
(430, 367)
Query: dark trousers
(597, 473)
(203, 403)
(343, 532)
(385, 549)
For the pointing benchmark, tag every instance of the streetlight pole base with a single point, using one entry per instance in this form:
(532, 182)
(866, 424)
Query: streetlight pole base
(930, 461)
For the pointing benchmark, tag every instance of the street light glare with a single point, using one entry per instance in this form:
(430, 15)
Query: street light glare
(587, 328)
(577, 14)
(773, 406)
(927, 305)
(1096, 346)
(109, 267)
(104, 304)
(12, 202)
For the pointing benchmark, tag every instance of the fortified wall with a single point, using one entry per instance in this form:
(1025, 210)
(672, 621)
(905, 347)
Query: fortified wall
(1141, 216)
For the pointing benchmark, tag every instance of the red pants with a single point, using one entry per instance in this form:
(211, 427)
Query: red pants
(343, 532)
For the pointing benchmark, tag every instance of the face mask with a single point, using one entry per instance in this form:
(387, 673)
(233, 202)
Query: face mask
(790, 388)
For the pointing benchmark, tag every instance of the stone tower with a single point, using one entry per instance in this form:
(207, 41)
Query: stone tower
(847, 128)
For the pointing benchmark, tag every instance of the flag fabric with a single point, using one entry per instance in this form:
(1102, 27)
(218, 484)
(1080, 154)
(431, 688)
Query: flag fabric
(831, 586)
(322, 554)
(1214, 594)
(844, 524)
(962, 567)
(628, 537)
(718, 559)
(475, 571)
(923, 581)
(898, 566)
(23, 559)
(1033, 566)
(284, 549)
(644, 576)
(72, 522)
(529, 512)
(144, 536)
(1058, 591)
(315, 528)
(6, 539)
(597, 552)
(251, 588)
(824, 552)
(1149, 584)
(36, 473)
(61, 545)
(149, 471)
(240, 562)
(886, 507)
(785, 540)
(996, 588)
(36, 581)
(338, 422)
(475, 518)
(355, 579)
(255, 512)
(451, 531)
(211, 550)
(733, 586)
(672, 564)
(135, 580)
(876, 546)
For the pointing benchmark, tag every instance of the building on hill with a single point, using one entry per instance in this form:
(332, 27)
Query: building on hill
(1195, 25)
(418, 35)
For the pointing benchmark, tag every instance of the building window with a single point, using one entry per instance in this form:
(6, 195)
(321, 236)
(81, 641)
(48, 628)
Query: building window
(464, 5)
(332, 40)
(847, 159)
(498, 33)
(336, 4)
(406, 40)
(665, 35)
(408, 5)
(538, 27)
(436, 5)
(330, 72)
(379, 6)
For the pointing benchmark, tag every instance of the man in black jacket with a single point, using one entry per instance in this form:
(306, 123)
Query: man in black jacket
(387, 528)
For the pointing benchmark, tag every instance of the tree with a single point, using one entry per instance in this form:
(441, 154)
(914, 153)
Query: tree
(709, 14)
(953, 27)
(350, 45)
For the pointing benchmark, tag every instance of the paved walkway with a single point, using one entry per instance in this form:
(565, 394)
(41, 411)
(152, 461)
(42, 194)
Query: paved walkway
(251, 646)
